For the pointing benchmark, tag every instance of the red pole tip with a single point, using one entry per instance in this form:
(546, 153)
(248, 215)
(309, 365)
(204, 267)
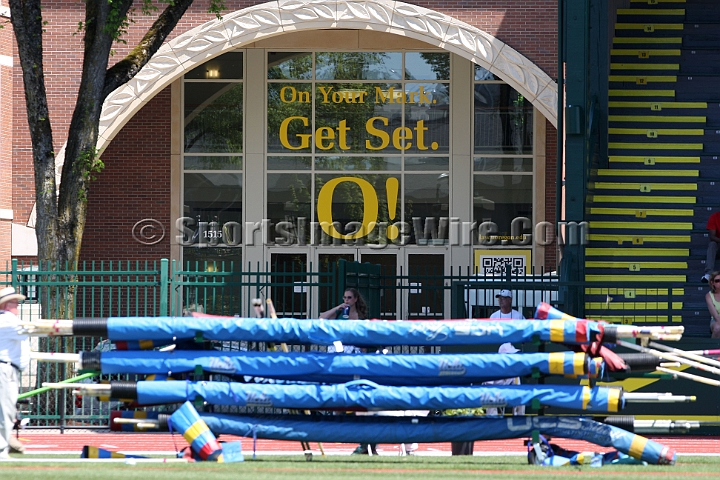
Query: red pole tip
(667, 457)
(542, 311)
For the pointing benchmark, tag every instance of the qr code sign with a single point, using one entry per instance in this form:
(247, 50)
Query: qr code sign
(495, 265)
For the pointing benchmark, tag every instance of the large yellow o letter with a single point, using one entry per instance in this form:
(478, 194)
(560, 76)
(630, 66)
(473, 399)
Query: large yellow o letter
(370, 207)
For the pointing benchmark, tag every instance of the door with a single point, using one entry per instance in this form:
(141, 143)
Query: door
(425, 286)
(388, 298)
(288, 284)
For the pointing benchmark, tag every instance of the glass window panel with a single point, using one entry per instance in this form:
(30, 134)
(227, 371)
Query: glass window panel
(213, 117)
(492, 164)
(358, 163)
(214, 162)
(502, 198)
(348, 204)
(503, 120)
(427, 66)
(290, 65)
(289, 207)
(427, 116)
(289, 163)
(356, 117)
(482, 74)
(427, 163)
(358, 66)
(212, 195)
(289, 117)
(226, 66)
(213, 202)
(210, 259)
(427, 200)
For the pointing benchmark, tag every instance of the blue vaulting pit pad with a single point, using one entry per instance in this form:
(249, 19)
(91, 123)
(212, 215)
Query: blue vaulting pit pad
(353, 332)
(441, 369)
(352, 429)
(369, 396)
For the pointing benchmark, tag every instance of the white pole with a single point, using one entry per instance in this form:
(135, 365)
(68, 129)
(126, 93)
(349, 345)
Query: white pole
(657, 398)
(669, 356)
(690, 376)
(682, 353)
(55, 357)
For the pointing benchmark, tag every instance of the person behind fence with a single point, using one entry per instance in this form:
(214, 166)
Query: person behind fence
(353, 307)
(713, 228)
(14, 357)
(712, 298)
(506, 311)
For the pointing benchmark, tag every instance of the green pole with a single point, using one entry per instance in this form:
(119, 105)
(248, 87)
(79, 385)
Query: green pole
(38, 391)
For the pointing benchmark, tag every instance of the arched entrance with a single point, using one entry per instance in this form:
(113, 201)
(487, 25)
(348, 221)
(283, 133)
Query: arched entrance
(240, 28)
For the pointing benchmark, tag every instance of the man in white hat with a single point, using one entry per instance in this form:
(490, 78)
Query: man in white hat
(14, 357)
(506, 311)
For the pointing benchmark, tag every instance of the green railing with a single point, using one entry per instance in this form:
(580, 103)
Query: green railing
(223, 289)
(104, 289)
(474, 297)
(97, 289)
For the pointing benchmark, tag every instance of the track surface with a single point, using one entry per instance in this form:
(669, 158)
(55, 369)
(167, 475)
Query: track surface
(148, 443)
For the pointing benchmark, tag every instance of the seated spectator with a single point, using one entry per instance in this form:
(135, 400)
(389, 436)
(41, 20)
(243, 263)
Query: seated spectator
(713, 303)
(713, 227)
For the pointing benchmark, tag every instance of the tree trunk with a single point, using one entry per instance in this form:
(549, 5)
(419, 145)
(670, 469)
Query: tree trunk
(61, 212)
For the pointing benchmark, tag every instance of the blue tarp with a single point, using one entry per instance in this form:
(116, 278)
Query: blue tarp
(369, 396)
(351, 332)
(444, 369)
(352, 429)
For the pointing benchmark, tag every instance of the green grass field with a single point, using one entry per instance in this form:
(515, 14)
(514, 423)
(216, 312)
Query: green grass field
(347, 468)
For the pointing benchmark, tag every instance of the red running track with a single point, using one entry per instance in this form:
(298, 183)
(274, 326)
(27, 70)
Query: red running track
(44, 442)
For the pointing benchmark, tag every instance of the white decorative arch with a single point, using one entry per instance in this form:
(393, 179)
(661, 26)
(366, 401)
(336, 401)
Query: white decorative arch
(269, 19)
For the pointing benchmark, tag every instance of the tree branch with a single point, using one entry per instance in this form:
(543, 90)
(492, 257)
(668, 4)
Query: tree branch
(128, 67)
